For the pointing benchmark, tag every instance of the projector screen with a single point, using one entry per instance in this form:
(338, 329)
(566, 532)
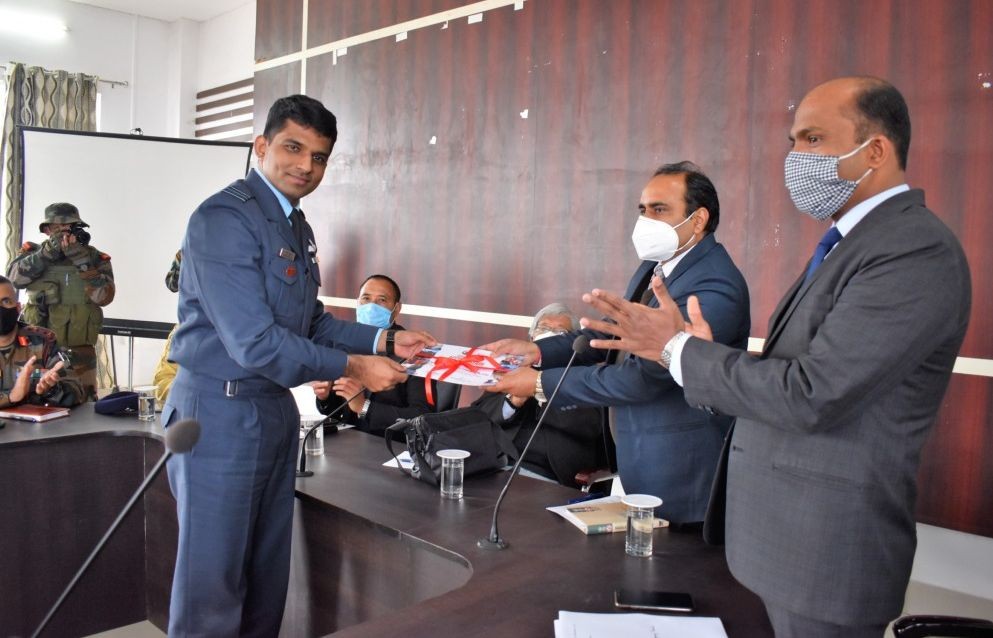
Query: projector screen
(136, 193)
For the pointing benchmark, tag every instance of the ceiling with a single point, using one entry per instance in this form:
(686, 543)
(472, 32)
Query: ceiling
(198, 10)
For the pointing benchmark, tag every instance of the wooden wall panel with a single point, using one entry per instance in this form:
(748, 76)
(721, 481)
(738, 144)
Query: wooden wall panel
(332, 20)
(504, 213)
(278, 28)
(956, 474)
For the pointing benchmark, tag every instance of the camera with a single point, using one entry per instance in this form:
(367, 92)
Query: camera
(77, 231)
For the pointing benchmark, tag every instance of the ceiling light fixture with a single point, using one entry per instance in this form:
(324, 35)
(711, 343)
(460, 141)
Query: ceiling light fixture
(32, 25)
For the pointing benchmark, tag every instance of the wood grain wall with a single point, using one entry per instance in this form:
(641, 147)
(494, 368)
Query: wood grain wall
(497, 166)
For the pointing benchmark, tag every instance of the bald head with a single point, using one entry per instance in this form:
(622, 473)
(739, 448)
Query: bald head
(874, 106)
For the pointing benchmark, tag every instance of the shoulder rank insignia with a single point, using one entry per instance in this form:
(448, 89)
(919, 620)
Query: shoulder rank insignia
(237, 193)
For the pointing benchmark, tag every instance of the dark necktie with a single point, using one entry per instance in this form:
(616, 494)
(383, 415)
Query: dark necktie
(296, 220)
(824, 246)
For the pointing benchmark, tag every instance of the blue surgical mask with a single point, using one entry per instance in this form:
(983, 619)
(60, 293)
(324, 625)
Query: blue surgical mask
(372, 314)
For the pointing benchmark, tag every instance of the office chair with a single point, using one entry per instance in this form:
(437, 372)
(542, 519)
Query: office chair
(446, 396)
(942, 626)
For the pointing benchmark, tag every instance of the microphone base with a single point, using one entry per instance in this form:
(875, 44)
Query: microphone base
(304, 473)
(492, 545)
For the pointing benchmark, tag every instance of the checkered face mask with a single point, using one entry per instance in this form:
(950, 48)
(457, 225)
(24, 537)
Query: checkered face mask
(814, 185)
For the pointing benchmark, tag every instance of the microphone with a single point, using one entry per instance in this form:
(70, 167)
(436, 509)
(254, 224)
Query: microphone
(302, 469)
(580, 345)
(179, 439)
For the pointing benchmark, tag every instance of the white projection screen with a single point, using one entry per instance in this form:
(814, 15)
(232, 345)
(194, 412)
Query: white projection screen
(136, 193)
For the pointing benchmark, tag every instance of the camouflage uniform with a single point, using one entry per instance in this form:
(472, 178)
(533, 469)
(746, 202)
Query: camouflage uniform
(66, 290)
(172, 277)
(32, 341)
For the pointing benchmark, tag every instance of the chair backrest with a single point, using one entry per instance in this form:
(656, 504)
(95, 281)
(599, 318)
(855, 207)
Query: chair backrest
(947, 626)
(446, 396)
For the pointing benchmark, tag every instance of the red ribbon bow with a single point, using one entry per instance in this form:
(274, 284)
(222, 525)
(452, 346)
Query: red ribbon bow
(446, 366)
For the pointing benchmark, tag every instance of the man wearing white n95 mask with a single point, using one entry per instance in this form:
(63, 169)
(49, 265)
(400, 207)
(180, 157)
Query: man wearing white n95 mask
(665, 447)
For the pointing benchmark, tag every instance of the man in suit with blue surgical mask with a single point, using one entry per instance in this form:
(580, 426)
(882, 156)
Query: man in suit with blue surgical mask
(378, 305)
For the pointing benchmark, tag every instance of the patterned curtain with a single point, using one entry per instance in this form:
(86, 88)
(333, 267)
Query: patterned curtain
(51, 99)
(38, 97)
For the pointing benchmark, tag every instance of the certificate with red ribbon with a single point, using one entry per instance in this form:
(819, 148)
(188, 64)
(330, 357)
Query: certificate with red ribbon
(458, 364)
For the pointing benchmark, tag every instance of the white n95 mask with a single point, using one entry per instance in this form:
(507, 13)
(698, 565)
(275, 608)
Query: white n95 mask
(656, 240)
(814, 184)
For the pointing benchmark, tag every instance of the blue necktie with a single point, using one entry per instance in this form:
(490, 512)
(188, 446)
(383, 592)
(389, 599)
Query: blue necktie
(824, 246)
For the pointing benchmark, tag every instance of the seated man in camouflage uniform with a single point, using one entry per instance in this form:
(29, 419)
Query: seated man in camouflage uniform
(68, 282)
(26, 350)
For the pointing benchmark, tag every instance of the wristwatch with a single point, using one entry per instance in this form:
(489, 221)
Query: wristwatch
(391, 336)
(670, 347)
(539, 392)
(508, 399)
(365, 408)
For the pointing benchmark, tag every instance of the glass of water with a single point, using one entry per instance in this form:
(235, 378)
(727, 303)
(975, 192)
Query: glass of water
(452, 472)
(641, 523)
(314, 446)
(146, 403)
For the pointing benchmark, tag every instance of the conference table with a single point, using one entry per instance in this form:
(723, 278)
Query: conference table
(375, 553)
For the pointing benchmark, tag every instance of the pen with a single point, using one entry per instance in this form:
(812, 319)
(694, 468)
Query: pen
(584, 497)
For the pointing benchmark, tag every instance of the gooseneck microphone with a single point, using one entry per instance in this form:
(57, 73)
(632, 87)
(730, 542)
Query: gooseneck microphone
(179, 439)
(302, 468)
(580, 345)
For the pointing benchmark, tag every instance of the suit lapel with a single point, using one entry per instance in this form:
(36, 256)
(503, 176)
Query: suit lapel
(849, 245)
(696, 254)
(639, 281)
(271, 209)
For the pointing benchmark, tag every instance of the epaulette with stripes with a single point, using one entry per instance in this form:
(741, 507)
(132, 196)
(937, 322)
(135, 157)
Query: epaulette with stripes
(237, 193)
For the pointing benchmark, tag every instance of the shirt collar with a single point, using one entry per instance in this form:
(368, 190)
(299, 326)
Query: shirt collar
(284, 203)
(670, 265)
(860, 210)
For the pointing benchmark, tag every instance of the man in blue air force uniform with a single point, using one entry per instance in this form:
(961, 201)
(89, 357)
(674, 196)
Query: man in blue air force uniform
(250, 326)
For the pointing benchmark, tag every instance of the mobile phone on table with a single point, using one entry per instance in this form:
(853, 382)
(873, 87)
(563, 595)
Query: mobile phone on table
(653, 600)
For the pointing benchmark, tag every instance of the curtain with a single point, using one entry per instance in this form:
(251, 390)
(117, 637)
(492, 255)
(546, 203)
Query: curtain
(50, 99)
(38, 97)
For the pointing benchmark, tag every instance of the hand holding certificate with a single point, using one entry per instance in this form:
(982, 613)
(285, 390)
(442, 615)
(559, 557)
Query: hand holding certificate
(461, 365)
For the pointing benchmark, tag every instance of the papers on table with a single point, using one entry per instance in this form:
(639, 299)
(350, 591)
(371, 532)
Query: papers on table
(461, 365)
(571, 624)
(405, 461)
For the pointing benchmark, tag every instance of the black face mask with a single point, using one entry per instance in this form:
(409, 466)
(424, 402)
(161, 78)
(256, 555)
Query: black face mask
(8, 319)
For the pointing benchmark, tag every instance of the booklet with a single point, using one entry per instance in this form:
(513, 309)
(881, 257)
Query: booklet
(461, 365)
(599, 515)
(37, 413)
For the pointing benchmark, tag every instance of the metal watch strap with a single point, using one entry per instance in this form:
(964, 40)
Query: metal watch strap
(539, 392)
(365, 408)
(391, 336)
(670, 347)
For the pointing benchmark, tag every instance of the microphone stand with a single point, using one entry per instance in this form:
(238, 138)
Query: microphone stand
(302, 470)
(493, 542)
(184, 436)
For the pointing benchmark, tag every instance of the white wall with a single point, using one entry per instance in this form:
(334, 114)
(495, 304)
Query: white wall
(227, 48)
(112, 45)
(164, 64)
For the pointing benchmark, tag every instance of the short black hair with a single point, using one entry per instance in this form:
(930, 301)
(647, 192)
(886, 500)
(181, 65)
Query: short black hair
(4, 280)
(880, 108)
(700, 191)
(396, 286)
(305, 111)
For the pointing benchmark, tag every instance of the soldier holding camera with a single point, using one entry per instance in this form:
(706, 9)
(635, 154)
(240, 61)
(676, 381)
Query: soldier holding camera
(68, 282)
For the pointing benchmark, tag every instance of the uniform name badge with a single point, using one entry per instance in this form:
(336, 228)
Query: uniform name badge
(286, 253)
